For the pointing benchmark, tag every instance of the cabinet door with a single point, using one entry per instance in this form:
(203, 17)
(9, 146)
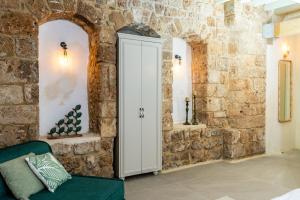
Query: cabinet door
(151, 55)
(130, 98)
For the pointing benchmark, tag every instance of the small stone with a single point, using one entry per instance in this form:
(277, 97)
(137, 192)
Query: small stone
(178, 147)
(108, 127)
(84, 148)
(18, 114)
(11, 94)
(118, 19)
(7, 47)
(31, 93)
(26, 48)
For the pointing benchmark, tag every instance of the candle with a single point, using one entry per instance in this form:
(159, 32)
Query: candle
(187, 99)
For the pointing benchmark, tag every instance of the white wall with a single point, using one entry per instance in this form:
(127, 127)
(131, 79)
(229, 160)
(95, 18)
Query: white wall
(182, 80)
(282, 137)
(62, 87)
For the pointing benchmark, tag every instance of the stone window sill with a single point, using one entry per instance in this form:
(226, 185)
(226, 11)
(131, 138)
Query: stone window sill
(90, 137)
(192, 127)
(86, 144)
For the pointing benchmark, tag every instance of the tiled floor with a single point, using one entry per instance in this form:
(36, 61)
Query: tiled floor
(258, 179)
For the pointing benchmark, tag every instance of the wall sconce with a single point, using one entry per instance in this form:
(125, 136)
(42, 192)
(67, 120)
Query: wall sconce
(178, 57)
(64, 59)
(286, 51)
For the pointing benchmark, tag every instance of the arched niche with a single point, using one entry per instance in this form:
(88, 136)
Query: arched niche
(63, 86)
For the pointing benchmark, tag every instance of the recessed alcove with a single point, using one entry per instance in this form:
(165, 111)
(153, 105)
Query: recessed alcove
(62, 78)
(190, 79)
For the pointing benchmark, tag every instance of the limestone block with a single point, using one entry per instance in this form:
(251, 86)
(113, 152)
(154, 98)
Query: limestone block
(108, 82)
(55, 6)
(219, 114)
(167, 106)
(88, 11)
(177, 136)
(26, 47)
(167, 91)
(234, 151)
(214, 76)
(254, 109)
(11, 94)
(84, 148)
(236, 85)
(69, 5)
(167, 137)
(231, 136)
(7, 46)
(108, 127)
(196, 145)
(221, 90)
(214, 104)
(167, 122)
(248, 122)
(12, 4)
(196, 134)
(62, 149)
(167, 56)
(198, 156)
(18, 114)
(107, 35)
(108, 109)
(31, 93)
(260, 61)
(215, 153)
(107, 53)
(178, 147)
(107, 145)
(17, 23)
(13, 134)
(118, 19)
(39, 9)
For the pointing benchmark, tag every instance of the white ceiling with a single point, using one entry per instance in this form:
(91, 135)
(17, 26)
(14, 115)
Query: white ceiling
(278, 6)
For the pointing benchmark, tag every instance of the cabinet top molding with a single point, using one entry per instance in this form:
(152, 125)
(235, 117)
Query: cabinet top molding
(140, 38)
(139, 29)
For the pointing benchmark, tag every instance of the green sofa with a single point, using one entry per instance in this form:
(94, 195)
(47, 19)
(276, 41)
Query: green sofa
(78, 188)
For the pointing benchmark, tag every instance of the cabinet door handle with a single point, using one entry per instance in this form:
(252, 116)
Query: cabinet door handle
(142, 115)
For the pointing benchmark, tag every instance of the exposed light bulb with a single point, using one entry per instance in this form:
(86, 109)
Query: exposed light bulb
(64, 60)
(285, 50)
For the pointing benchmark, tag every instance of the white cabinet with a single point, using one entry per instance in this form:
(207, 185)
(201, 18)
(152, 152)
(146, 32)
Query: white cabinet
(139, 140)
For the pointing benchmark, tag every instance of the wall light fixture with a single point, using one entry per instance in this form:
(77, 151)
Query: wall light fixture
(285, 51)
(179, 58)
(64, 59)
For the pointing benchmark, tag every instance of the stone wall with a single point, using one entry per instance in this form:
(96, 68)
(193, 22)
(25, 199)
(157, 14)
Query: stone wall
(191, 144)
(88, 156)
(235, 61)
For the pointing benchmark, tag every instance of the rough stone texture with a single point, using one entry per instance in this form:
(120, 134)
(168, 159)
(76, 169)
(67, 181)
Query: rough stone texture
(186, 145)
(88, 158)
(229, 75)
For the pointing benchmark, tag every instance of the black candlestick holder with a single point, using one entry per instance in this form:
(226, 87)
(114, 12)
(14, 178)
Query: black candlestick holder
(187, 102)
(194, 120)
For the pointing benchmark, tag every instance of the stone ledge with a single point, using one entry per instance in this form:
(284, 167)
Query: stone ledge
(88, 143)
(88, 137)
(191, 127)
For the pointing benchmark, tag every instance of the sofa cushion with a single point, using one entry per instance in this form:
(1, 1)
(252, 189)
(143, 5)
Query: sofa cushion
(17, 175)
(10, 153)
(83, 187)
(49, 170)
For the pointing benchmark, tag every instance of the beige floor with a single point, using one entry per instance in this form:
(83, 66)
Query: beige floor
(258, 179)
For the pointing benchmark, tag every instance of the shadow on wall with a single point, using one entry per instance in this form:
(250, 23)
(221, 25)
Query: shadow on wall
(200, 79)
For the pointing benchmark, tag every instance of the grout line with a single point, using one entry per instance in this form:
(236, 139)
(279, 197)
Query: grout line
(246, 159)
(212, 162)
(190, 166)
